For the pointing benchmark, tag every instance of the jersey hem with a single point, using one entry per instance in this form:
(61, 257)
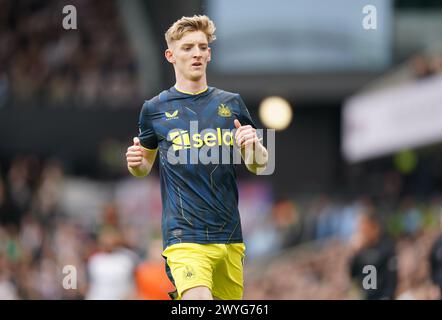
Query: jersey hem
(204, 241)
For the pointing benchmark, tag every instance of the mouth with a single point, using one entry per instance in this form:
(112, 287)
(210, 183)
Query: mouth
(197, 64)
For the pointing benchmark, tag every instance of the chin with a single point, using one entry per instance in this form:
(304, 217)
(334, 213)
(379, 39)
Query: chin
(196, 77)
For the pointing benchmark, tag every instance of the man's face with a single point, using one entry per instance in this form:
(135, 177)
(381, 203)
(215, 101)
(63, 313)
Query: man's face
(190, 55)
(368, 229)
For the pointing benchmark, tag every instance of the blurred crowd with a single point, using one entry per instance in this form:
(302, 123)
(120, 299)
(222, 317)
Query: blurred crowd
(406, 269)
(90, 67)
(321, 218)
(312, 248)
(46, 253)
(322, 272)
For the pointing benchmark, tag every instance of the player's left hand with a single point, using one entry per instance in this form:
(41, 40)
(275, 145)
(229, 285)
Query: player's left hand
(245, 135)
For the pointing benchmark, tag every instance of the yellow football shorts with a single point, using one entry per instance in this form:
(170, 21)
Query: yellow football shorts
(216, 266)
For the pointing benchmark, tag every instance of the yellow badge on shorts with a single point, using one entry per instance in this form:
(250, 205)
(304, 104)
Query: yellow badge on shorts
(189, 273)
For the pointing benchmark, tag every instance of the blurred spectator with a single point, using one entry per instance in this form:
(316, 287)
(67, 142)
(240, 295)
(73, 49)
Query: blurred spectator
(436, 63)
(5, 203)
(285, 217)
(47, 196)
(8, 290)
(436, 263)
(421, 66)
(412, 218)
(264, 241)
(371, 247)
(435, 258)
(425, 65)
(111, 269)
(151, 279)
(326, 220)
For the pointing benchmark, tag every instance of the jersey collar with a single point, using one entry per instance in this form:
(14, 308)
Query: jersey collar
(191, 93)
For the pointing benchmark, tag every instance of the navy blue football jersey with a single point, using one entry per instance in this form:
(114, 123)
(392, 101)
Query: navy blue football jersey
(199, 193)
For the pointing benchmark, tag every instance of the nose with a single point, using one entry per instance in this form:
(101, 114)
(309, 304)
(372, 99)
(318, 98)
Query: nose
(197, 52)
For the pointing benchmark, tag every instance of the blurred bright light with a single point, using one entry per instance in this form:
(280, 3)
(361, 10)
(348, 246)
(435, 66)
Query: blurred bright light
(275, 113)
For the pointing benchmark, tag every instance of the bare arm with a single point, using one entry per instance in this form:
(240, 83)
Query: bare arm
(254, 154)
(139, 159)
(255, 157)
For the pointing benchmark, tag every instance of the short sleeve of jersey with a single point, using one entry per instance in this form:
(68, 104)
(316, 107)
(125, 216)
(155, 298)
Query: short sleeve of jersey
(244, 115)
(147, 135)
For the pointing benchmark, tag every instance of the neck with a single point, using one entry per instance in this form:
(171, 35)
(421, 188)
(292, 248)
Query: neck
(187, 85)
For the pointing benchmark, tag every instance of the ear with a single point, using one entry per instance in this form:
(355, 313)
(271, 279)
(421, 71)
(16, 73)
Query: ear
(169, 55)
(210, 54)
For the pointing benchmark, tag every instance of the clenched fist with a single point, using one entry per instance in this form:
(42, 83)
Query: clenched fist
(254, 154)
(245, 135)
(134, 154)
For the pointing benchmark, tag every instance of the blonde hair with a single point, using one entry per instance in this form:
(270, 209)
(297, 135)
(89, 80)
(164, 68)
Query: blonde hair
(188, 24)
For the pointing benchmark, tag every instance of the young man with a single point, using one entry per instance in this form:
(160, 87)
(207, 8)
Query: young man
(201, 227)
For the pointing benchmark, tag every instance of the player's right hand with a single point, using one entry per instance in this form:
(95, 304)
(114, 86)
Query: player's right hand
(134, 154)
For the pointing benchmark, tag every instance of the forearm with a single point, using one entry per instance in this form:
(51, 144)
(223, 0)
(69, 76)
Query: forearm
(140, 171)
(255, 157)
